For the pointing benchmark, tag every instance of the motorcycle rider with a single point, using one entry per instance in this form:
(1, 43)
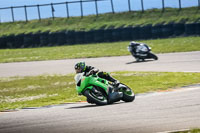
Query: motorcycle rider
(138, 47)
(88, 70)
(141, 51)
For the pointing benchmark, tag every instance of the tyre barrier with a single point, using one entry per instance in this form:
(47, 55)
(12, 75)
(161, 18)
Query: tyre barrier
(157, 31)
(126, 33)
(108, 37)
(36, 39)
(95, 36)
(44, 39)
(80, 37)
(3, 42)
(190, 29)
(70, 37)
(89, 36)
(145, 32)
(99, 36)
(19, 41)
(10, 41)
(116, 34)
(167, 30)
(28, 40)
(52, 39)
(61, 38)
(179, 29)
(135, 33)
(198, 28)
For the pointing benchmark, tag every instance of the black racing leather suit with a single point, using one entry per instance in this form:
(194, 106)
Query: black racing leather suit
(101, 74)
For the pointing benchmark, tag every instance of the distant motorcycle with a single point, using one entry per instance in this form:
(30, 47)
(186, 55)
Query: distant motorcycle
(100, 91)
(141, 51)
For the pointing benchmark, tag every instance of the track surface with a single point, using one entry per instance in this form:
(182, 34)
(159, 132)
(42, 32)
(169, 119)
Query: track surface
(172, 62)
(149, 113)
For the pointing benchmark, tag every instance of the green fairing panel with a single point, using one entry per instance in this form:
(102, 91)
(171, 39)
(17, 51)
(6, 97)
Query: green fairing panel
(88, 82)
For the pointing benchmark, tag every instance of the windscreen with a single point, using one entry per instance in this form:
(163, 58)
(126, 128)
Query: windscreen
(78, 77)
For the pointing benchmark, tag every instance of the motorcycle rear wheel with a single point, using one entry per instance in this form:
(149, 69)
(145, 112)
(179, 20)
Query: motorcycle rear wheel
(94, 98)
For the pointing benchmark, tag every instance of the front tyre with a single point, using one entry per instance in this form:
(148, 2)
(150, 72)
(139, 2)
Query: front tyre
(151, 55)
(98, 99)
(128, 94)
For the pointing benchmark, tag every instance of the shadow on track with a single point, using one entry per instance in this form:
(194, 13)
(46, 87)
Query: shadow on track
(139, 61)
(92, 106)
(85, 106)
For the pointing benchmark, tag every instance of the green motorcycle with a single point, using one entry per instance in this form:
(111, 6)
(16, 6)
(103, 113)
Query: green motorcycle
(100, 91)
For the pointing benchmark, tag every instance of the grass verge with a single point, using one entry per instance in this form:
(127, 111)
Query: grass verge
(20, 92)
(180, 44)
(103, 21)
(189, 131)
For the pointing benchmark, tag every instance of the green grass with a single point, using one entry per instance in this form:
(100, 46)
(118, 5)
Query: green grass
(181, 44)
(19, 92)
(189, 131)
(104, 21)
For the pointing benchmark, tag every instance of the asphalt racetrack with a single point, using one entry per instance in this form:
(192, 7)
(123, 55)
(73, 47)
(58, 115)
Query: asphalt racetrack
(171, 62)
(149, 113)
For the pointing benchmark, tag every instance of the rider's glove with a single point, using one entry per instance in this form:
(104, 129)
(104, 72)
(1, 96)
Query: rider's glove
(90, 72)
(93, 71)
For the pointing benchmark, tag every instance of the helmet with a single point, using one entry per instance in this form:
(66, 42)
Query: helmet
(80, 65)
(133, 43)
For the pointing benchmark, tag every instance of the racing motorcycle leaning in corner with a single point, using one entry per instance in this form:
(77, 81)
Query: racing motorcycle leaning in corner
(101, 91)
(141, 51)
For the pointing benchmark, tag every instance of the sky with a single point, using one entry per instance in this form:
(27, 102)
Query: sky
(74, 8)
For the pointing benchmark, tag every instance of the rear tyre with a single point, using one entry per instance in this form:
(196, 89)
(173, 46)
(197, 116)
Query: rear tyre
(98, 99)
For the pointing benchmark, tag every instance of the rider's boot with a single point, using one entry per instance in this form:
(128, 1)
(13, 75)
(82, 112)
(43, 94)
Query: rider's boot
(115, 81)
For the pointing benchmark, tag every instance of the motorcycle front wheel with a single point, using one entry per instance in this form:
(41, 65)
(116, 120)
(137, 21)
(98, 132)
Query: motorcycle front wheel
(128, 94)
(151, 55)
(97, 98)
